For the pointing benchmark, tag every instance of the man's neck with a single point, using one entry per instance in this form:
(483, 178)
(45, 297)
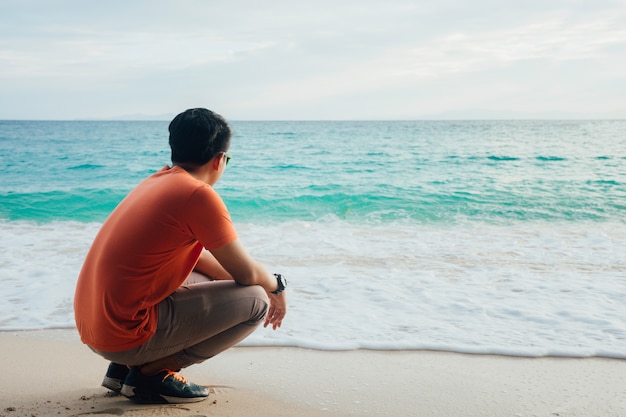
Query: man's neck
(203, 173)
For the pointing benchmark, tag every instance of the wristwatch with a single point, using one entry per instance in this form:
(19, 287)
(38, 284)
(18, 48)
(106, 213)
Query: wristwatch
(282, 284)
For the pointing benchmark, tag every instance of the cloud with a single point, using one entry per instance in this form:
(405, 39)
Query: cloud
(550, 40)
(323, 58)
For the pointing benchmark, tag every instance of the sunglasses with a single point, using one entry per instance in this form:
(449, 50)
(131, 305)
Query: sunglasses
(227, 155)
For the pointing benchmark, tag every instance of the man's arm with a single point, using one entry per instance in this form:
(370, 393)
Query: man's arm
(234, 258)
(209, 266)
(245, 270)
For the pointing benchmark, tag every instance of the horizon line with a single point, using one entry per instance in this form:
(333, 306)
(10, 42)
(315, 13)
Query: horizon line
(417, 119)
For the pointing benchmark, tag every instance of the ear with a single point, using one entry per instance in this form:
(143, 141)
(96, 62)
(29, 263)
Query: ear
(217, 161)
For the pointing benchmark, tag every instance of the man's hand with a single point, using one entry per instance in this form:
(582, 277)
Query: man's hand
(277, 311)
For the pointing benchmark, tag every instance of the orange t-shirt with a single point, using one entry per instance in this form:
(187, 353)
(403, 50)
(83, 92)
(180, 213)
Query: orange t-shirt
(143, 252)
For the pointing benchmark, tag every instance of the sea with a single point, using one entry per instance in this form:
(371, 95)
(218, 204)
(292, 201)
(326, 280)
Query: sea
(481, 237)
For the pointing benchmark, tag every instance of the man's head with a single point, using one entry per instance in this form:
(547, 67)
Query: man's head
(197, 135)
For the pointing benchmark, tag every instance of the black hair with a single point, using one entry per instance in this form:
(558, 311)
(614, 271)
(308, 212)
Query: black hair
(197, 135)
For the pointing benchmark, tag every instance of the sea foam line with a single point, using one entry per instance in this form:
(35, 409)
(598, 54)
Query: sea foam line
(473, 288)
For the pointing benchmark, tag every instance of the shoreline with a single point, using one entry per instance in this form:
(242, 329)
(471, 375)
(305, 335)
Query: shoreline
(50, 372)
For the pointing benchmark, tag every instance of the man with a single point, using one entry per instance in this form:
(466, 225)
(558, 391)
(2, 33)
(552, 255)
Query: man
(166, 282)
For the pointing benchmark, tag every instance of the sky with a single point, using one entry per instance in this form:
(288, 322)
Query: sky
(313, 60)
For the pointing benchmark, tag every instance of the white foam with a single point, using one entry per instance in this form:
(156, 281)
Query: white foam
(524, 289)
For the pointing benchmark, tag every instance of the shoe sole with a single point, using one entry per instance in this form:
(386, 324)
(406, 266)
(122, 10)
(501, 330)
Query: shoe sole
(149, 397)
(113, 384)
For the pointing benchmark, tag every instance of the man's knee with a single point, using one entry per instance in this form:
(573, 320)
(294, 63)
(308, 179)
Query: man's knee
(260, 304)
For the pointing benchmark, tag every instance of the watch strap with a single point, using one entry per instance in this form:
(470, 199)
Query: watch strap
(282, 282)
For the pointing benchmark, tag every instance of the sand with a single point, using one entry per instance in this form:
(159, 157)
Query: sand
(50, 373)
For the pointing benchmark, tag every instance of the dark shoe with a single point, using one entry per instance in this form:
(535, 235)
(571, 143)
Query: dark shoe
(115, 376)
(166, 387)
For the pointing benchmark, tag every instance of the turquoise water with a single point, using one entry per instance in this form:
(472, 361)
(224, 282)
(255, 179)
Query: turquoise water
(418, 171)
(499, 237)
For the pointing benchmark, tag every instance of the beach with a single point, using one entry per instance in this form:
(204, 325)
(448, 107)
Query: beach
(436, 268)
(51, 373)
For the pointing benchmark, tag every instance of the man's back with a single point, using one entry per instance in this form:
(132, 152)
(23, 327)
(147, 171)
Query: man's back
(143, 252)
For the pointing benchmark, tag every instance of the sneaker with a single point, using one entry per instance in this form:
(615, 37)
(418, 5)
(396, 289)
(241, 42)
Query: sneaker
(115, 376)
(166, 387)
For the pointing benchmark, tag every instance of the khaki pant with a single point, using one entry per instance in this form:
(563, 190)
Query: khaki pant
(199, 320)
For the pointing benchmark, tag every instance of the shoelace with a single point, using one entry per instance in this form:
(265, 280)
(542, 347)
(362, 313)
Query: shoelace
(178, 377)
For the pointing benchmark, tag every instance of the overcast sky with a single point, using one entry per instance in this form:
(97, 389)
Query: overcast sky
(279, 60)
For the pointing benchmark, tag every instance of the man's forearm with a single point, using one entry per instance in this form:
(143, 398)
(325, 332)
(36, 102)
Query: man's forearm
(209, 266)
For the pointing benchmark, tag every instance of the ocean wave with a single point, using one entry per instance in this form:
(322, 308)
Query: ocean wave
(83, 205)
(473, 288)
(85, 166)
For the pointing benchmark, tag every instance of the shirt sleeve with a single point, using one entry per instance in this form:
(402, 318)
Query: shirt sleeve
(208, 218)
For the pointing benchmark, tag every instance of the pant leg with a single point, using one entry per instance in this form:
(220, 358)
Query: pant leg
(198, 321)
(211, 316)
(196, 278)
